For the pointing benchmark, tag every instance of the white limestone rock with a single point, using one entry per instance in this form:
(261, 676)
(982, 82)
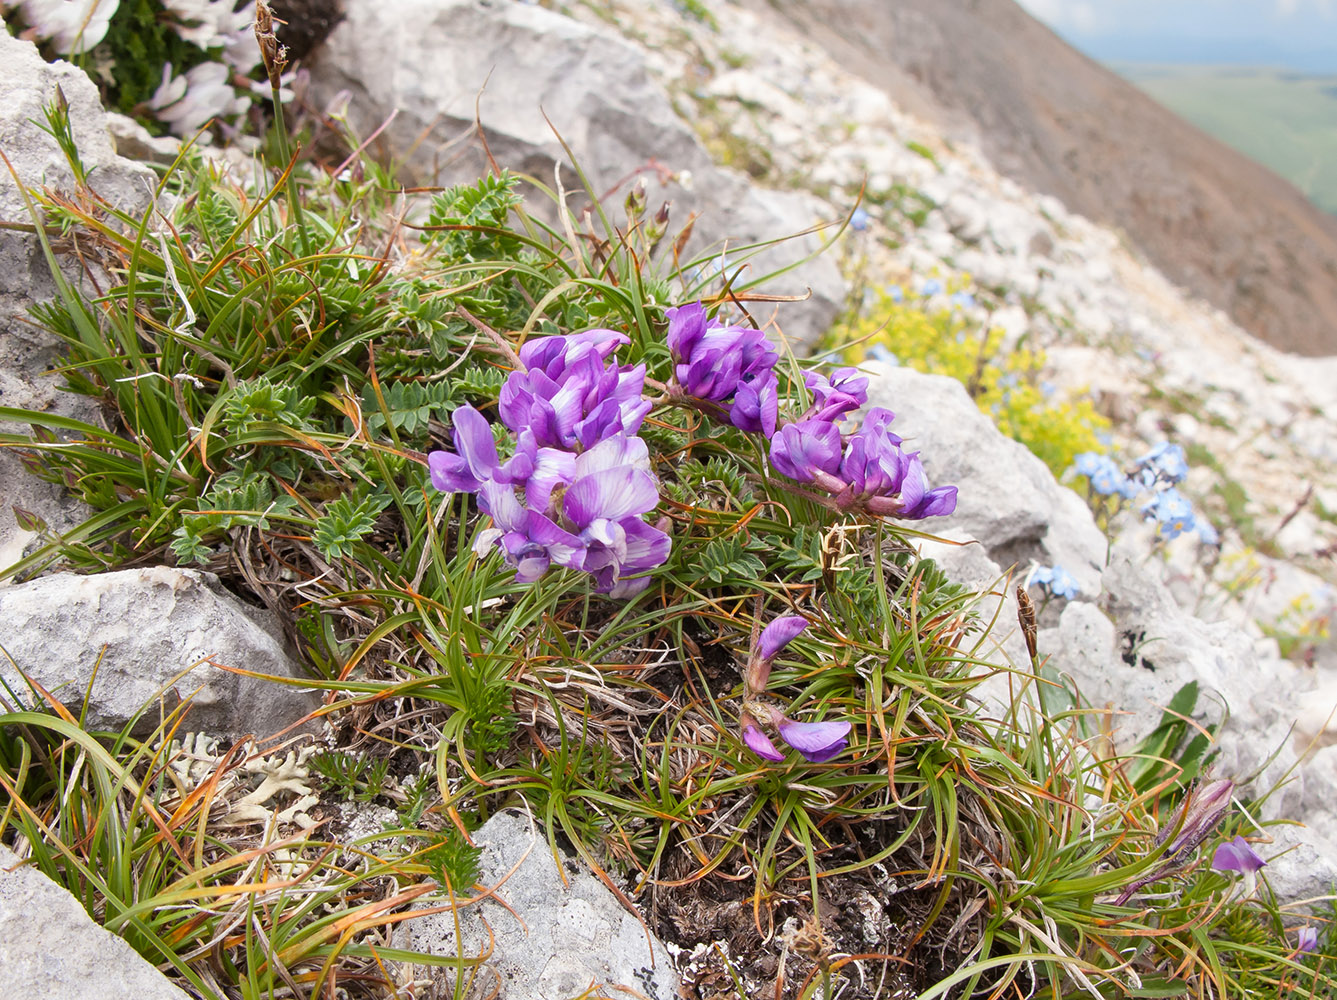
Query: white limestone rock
(560, 934)
(50, 948)
(29, 84)
(533, 71)
(1007, 498)
(159, 632)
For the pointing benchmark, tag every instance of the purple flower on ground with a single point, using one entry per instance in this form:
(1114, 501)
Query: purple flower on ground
(612, 487)
(804, 450)
(551, 355)
(1237, 856)
(818, 742)
(774, 637)
(530, 541)
(756, 405)
(1306, 939)
(871, 471)
(730, 366)
(859, 219)
(582, 511)
(476, 462)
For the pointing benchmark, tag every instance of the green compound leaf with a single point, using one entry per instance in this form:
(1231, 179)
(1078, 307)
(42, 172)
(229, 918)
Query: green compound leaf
(345, 523)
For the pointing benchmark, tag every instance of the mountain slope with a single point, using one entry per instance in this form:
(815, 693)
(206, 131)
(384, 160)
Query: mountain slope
(1225, 227)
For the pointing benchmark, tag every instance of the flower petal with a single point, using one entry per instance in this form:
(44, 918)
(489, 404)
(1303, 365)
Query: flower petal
(612, 493)
(450, 473)
(760, 744)
(1237, 856)
(552, 468)
(799, 450)
(778, 634)
(1306, 939)
(473, 441)
(817, 741)
(613, 452)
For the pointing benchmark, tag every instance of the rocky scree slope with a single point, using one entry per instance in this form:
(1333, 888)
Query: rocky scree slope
(1213, 220)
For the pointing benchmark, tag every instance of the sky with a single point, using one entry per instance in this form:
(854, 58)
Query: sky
(1299, 35)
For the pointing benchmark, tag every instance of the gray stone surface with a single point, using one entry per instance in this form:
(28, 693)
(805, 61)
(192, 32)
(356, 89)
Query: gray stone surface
(1007, 497)
(155, 624)
(28, 85)
(50, 948)
(572, 938)
(1125, 644)
(433, 58)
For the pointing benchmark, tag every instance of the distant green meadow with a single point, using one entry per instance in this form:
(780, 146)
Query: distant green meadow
(1286, 121)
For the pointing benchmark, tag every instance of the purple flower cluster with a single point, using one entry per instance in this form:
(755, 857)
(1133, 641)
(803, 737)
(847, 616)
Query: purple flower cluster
(730, 367)
(866, 470)
(816, 741)
(575, 488)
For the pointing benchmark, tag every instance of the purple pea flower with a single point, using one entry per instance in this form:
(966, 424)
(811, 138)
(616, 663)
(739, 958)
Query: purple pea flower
(868, 470)
(779, 634)
(1306, 939)
(730, 366)
(551, 355)
(817, 741)
(476, 462)
(757, 741)
(612, 487)
(756, 405)
(846, 390)
(917, 501)
(531, 542)
(1237, 856)
(808, 449)
(774, 637)
(585, 404)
